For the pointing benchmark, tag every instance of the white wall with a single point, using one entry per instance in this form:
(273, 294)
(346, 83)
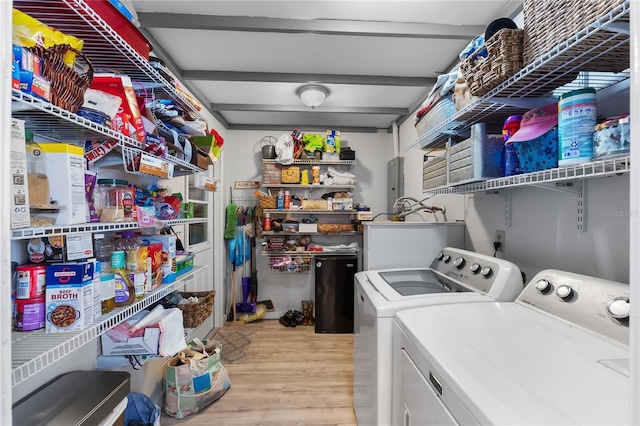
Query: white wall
(543, 232)
(242, 160)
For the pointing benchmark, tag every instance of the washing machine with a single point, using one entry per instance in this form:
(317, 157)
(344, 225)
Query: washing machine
(557, 355)
(454, 276)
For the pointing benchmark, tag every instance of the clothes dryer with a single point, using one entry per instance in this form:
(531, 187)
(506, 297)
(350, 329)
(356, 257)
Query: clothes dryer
(558, 355)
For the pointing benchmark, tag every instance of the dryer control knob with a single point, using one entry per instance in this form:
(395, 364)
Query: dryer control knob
(486, 272)
(564, 291)
(459, 262)
(619, 308)
(446, 258)
(542, 286)
(475, 268)
(440, 256)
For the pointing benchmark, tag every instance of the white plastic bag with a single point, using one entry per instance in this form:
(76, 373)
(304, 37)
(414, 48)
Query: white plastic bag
(284, 149)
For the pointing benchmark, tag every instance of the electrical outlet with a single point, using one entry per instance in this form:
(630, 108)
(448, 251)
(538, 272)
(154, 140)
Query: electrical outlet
(499, 238)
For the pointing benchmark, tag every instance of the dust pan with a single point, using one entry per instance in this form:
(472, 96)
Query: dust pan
(261, 311)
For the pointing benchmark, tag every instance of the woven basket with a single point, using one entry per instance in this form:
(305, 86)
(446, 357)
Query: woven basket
(67, 84)
(548, 23)
(504, 59)
(193, 314)
(267, 201)
(334, 228)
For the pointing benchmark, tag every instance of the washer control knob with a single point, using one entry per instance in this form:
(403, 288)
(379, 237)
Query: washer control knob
(486, 272)
(446, 258)
(459, 262)
(542, 286)
(564, 291)
(475, 268)
(440, 256)
(619, 308)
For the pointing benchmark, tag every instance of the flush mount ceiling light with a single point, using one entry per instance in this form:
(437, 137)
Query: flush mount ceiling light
(312, 95)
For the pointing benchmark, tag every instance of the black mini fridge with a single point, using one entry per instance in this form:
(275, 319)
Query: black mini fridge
(334, 293)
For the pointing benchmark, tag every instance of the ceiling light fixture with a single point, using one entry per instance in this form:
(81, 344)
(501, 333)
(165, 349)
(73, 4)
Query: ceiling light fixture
(312, 95)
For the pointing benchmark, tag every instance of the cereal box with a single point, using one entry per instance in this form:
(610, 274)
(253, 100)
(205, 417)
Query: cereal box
(69, 297)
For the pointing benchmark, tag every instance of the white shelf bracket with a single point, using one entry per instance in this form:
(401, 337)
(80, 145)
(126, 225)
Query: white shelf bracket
(506, 194)
(582, 207)
(507, 208)
(579, 189)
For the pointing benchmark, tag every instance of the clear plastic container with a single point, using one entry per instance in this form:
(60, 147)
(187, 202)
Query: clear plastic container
(113, 200)
(103, 247)
(37, 181)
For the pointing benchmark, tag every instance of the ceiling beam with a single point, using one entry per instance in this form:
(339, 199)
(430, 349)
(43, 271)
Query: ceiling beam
(321, 109)
(286, 127)
(309, 26)
(283, 77)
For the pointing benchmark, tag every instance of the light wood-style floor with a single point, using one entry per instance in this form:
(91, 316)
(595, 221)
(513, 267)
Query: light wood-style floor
(291, 376)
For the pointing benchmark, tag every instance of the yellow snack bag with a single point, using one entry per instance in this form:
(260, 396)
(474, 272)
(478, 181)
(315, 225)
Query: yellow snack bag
(29, 32)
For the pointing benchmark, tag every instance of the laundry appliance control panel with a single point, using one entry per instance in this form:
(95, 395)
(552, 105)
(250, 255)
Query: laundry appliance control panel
(598, 305)
(498, 278)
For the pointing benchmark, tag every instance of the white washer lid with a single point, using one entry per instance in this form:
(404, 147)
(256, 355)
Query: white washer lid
(512, 365)
(386, 308)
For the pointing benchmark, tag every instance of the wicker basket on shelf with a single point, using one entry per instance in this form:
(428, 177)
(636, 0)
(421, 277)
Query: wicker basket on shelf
(334, 228)
(548, 23)
(68, 84)
(194, 314)
(267, 201)
(504, 59)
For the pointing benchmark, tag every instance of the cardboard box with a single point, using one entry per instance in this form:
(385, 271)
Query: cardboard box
(364, 215)
(168, 254)
(290, 174)
(19, 189)
(307, 227)
(69, 297)
(342, 204)
(145, 345)
(46, 249)
(65, 171)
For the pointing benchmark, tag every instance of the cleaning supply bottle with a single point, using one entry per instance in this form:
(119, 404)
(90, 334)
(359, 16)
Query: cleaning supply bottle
(124, 289)
(280, 200)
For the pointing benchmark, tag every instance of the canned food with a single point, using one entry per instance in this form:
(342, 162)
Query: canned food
(31, 281)
(29, 314)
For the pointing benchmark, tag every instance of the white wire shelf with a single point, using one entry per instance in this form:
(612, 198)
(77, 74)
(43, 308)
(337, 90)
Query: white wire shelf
(59, 124)
(331, 212)
(557, 72)
(56, 123)
(293, 185)
(594, 169)
(160, 167)
(19, 234)
(275, 234)
(276, 253)
(315, 162)
(34, 351)
(105, 48)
